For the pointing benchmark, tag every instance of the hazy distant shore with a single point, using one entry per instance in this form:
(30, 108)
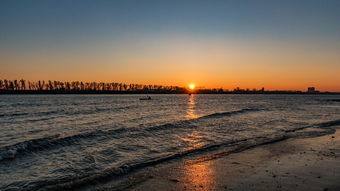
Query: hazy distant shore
(156, 92)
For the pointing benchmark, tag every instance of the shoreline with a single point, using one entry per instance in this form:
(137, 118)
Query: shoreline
(111, 92)
(310, 163)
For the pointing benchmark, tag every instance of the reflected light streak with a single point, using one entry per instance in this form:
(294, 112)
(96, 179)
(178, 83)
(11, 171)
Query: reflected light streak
(191, 113)
(193, 140)
(200, 176)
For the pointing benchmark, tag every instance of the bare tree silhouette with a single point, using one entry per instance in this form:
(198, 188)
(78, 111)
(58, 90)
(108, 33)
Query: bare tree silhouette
(1, 85)
(23, 84)
(78, 86)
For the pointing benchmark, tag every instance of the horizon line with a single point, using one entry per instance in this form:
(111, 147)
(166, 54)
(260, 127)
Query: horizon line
(121, 86)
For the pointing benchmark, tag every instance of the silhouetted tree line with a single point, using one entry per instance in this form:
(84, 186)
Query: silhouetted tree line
(23, 86)
(80, 86)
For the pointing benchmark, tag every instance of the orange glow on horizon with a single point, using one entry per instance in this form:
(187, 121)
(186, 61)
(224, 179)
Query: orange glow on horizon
(275, 65)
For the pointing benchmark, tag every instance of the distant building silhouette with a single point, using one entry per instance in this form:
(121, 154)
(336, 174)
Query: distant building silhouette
(311, 90)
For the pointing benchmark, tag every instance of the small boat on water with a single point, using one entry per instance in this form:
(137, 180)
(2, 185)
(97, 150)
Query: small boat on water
(145, 98)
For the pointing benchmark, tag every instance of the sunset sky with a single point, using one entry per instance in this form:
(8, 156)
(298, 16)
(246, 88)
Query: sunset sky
(219, 43)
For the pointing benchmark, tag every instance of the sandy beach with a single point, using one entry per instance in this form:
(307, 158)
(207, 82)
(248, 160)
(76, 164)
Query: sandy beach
(293, 164)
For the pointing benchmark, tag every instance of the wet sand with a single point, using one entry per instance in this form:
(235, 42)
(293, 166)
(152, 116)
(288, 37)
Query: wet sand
(294, 164)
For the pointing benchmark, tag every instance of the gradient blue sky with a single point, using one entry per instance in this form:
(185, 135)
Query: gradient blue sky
(275, 44)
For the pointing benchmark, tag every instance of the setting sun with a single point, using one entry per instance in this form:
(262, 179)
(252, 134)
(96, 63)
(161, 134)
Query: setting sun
(192, 86)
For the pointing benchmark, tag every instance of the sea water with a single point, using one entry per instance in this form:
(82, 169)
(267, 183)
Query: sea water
(49, 141)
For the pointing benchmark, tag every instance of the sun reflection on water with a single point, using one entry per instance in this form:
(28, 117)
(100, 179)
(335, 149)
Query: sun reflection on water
(199, 176)
(191, 113)
(193, 140)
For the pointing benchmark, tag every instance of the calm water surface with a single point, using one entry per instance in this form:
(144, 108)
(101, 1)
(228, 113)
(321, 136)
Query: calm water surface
(47, 141)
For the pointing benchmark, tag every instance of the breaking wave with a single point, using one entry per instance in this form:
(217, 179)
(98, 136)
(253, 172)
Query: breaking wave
(56, 141)
(89, 178)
